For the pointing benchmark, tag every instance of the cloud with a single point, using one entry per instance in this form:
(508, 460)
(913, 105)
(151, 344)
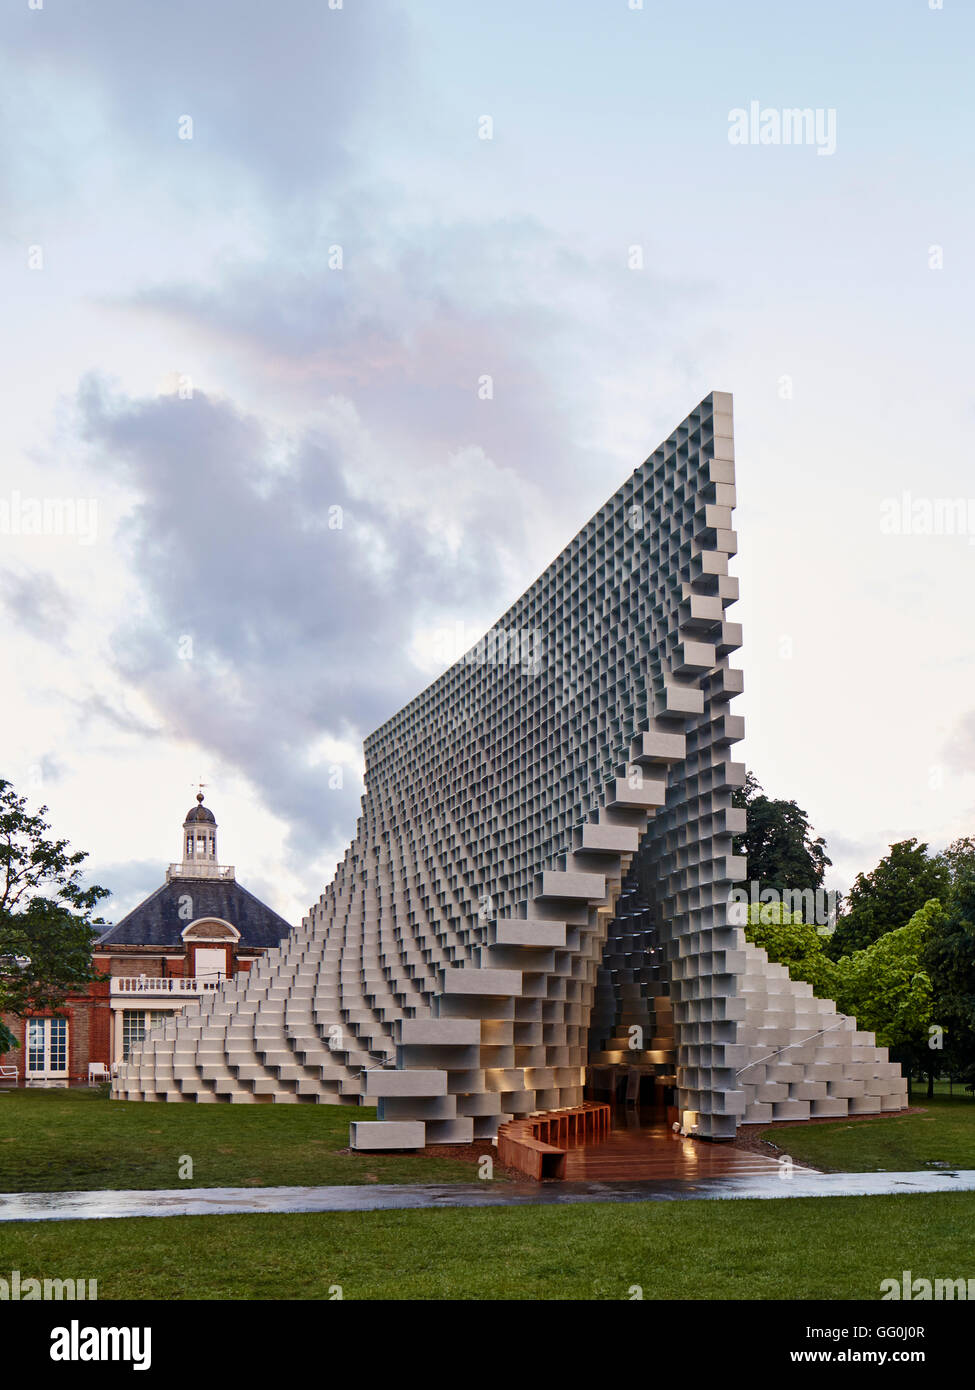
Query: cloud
(959, 748)
(37, 603)
(97, 708)
(437, 392)
(471, 380)
(265, 625)
(276, 92)
(278, 606)
(131, 882)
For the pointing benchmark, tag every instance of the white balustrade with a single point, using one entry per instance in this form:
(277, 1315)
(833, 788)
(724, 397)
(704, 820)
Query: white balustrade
(162, 984)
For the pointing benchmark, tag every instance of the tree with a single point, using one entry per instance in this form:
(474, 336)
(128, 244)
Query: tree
(46, 926)
(886, 899)
(950, 960)
(960, 858)
(789, 941)
(783, 852)
(889, 990)
(887, 987)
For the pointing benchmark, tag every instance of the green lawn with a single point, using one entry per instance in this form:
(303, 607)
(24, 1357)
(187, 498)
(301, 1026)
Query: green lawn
(795, 1248)
(64, 1140)
(58, 1140)
(944, 1136)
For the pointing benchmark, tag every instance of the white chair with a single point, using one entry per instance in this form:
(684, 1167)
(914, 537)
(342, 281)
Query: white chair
(97, 1071)
(9, 1074)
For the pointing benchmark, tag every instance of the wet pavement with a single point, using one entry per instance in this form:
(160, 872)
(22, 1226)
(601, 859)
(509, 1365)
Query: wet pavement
(224, 1201)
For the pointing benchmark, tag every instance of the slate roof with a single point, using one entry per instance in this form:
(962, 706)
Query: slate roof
(157, 920)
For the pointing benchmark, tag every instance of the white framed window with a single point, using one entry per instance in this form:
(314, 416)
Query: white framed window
(136, 1024)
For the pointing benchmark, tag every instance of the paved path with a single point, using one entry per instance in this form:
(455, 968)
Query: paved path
(222, 1201)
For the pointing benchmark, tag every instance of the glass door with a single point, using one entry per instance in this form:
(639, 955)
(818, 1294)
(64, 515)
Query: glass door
(47, 1047)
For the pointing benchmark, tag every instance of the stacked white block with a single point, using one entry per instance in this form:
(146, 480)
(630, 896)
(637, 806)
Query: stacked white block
(449, 972)
(800, 1058)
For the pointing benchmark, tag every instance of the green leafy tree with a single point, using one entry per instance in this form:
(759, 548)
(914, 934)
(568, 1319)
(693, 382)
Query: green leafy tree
(886, 899)
(886, 987)
(960, 858)
(889, 990)
(46, 923)
(791, 942)
(950, 961)
(783, 852)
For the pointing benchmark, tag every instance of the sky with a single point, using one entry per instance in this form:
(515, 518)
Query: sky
(327, 325)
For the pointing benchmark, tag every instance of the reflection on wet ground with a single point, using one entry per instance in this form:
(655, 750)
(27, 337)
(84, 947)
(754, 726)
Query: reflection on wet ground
(641, 1145)
(220, 1201)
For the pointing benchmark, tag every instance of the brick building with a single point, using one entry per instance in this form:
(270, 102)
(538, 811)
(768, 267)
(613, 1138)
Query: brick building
(200, 927)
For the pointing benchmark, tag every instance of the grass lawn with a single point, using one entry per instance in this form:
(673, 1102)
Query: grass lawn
(79, 1140)
(944, 1136)
(796, 1248)
(60, 1140)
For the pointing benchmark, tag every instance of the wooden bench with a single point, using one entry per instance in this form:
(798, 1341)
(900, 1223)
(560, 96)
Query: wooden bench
(535, 1145)
(530, 1156)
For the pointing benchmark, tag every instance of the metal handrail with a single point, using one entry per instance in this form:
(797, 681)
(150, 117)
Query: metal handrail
(758, 1061)
(382, 1057)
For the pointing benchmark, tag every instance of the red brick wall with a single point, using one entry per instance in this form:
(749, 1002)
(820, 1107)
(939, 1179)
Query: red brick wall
(15, 1058)
(153, 966)
(89, 1023)
(88, 1035)
(95, 1006)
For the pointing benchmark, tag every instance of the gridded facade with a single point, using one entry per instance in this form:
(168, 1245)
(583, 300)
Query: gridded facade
(450, 971)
